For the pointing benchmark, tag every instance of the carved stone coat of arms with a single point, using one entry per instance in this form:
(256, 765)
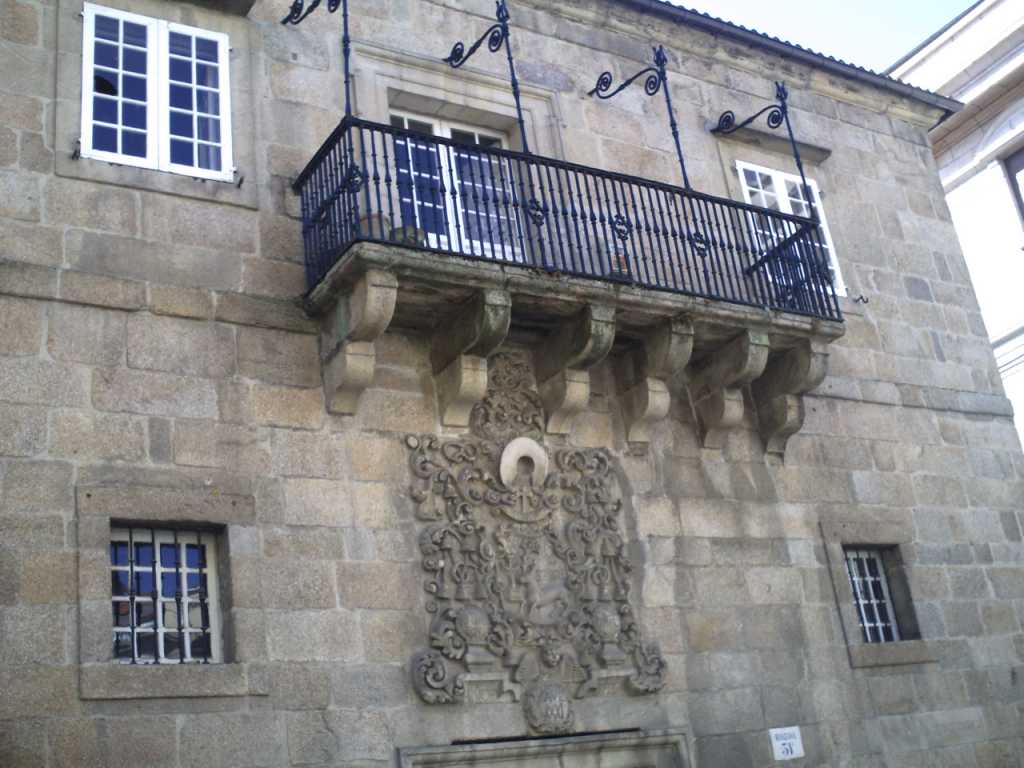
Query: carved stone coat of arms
(527, 572)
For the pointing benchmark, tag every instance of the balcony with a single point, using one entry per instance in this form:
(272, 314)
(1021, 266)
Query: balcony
(460, 240)
(377, 183)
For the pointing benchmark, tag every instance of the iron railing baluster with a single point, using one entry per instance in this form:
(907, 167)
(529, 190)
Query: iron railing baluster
(500, 205)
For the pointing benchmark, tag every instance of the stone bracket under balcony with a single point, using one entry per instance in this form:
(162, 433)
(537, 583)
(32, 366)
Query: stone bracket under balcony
(721, 357)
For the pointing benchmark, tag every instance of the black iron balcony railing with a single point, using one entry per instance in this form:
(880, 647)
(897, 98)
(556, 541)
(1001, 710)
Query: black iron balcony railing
(381, 183)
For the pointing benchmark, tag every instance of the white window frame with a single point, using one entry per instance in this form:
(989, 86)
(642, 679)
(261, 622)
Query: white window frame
(158, 147)
(865, 604)
(119, 533)
(443, 129)
(779, 179)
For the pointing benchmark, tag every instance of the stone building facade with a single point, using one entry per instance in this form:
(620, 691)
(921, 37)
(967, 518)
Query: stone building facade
(436, 509)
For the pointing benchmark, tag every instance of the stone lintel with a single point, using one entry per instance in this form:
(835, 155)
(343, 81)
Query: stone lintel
(778, 392)
(562, 363)
(716, 384)
(357, 321)
(645, 376)
(459, 349)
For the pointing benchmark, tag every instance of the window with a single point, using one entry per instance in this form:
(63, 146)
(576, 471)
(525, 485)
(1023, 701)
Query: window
(783, 192)
(462, 198)
(164, 598)
(871, 595)
(155, 95)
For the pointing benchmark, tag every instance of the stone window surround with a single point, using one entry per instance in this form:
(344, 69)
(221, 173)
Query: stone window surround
(653, 748)
(844, 532)
(68, 105)
(102, 678)
(385, 78)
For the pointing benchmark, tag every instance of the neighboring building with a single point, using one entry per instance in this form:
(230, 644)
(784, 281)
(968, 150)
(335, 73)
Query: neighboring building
(461, 445)
(978, 59)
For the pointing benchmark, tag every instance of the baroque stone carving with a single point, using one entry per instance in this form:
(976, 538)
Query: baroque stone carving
(527, 571)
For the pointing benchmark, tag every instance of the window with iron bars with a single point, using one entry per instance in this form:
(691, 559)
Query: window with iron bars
(164, 596)
(873, 601)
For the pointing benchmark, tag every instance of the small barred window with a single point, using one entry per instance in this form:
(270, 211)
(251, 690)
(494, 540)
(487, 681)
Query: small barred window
(874, 604)
(164, 596)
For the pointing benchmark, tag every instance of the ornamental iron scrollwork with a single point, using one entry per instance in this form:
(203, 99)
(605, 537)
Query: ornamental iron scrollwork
(621, 227)
(656, 80)
(527, 572)
(536, 211)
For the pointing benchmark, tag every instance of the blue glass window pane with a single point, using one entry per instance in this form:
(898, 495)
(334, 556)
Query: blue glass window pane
(146, 645)
(181, 124)
(144, 614)
(195, 556)
(133, 87)
(209, 157)
(133, 115)
(168, 555)
(181, 152)
(208, 102)
(135, 34)
(133, 143)
(196, 583)
(104, 82)
(143, 555)
(119, 582)
(169, 584)
(104, 139)
(118, 553)
(208, 129)
(105, 55)
(135, 61)
(104, 110)
(143, 582)
(206, 74)
(181, 45)
(106, 28)
(181, 70)
(120, 610)
(206, 49)
(181, 97)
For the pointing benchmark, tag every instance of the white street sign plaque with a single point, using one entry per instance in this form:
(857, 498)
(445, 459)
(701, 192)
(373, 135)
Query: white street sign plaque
(786, 743)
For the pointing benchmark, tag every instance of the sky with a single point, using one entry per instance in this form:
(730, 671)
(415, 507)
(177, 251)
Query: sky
(871, 33)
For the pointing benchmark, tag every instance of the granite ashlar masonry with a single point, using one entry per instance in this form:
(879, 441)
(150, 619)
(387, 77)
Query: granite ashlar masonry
(158, 365)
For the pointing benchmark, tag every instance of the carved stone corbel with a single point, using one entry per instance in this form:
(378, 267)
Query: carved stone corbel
(645, 375)
(778, 392)
(716, 384)
(459, 350)
(563, 362)
(358, 320)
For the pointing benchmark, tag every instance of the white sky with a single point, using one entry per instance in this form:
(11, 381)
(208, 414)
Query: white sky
(871, 33)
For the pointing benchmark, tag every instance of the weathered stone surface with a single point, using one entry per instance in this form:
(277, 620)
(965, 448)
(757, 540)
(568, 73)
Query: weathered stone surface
(377, 585)
(20, 279)
(278, 357)
(86, 335)
(21, 325)
(184, 347)
(173, 220)
(298, 584)
(263, 313)
(288, 406)
(27, 380)
(19, 196)
(79, 204)
(331, 635)
(210, 444)
(168, 504)
(153, 393)
(37, 487)
(180, 302)
(37, 690)
(23, 743)
(96, 437)
(22, 430)
(84, 288)
(254, 739)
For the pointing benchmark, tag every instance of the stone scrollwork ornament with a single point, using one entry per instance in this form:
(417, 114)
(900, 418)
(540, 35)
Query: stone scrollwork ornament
(527, 572)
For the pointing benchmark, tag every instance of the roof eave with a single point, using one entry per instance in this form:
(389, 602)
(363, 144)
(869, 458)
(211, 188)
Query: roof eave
(796, 53)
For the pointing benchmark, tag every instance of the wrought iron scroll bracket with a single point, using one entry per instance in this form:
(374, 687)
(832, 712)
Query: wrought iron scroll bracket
(656, 80)
(777, 115)
(497, 35)
(298, 13)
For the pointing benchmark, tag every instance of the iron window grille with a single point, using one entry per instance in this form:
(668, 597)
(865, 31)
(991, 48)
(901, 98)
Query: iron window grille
(155, 94)
(871, 595)
(164, 596)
